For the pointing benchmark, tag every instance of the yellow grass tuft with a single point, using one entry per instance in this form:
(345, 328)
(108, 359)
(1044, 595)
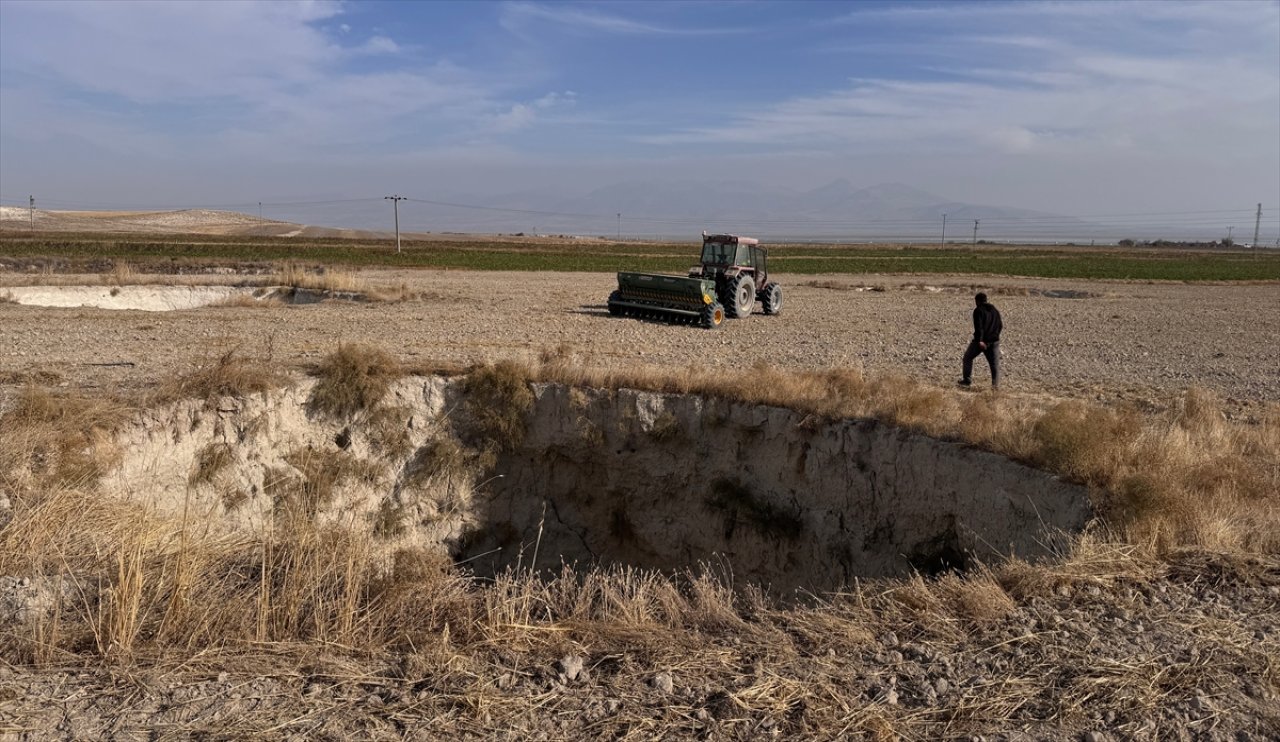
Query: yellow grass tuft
(352, 379)
(497, 400)
(229, 375)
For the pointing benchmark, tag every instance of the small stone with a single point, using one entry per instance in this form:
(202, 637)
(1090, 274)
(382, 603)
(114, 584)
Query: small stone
(702, 715)
(941, 686)
(223, 677)
(663, 682)
(612, 705)
(891, 697)
(1095, 737)
(571, 666)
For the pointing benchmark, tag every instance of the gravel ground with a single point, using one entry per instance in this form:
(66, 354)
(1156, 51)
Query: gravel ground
(1069, 338)
(1186, 654)
(1189, 654)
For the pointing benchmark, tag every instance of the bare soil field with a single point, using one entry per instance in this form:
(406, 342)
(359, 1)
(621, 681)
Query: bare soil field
(1124, 637)
(1075, 339)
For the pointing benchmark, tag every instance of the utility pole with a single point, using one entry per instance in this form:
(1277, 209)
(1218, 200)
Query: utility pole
(1229, 230)
(1257, 222)
(619, 226)
(31, 211)
(944, 230)
(259, 211)
(975, 231)
(395, 201)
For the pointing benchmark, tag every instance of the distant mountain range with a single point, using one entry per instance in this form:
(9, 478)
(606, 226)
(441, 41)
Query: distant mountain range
(839, 208)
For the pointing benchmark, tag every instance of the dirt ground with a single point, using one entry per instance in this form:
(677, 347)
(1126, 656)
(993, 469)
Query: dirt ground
(1066, 338)
(1185, 654)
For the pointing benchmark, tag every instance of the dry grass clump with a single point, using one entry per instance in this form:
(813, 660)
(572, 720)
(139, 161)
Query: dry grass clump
(319, 474)
(59, 439)
(339, 282)
(320, 279)
(229, 375)
(439, 458)
(210, 461)
(42, 377)
(496, 402)
(388, 431)
(121, 274)
(352, 379)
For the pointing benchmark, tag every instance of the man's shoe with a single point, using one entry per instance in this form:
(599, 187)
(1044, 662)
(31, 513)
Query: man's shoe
(965, 382)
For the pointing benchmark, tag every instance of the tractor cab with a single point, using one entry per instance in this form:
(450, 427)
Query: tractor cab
(723, 252)
(739, 266)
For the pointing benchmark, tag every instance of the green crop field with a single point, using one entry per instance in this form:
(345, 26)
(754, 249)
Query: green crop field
(157, 251)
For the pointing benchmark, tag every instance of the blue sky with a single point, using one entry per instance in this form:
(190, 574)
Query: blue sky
(1074, 107)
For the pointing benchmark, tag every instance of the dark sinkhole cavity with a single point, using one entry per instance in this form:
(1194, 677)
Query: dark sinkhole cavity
(670, 482)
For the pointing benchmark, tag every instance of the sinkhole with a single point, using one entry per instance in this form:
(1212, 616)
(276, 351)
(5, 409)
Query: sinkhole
(164, 298)
(596, 477)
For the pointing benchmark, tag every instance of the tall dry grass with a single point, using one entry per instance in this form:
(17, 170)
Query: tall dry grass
(145, 585)
(340, 282)
(320, 279)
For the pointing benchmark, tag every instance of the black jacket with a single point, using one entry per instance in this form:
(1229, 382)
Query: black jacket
(986, 324)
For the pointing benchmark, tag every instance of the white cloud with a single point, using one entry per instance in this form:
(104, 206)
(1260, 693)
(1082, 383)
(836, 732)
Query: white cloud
(379, 45)
(524, 115)
(554, 99)
(1069, 93)
(516, 16)
(518, 117)
(259, 78)
(1012, 139)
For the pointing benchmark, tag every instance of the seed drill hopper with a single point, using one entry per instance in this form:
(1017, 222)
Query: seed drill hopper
(732, 277)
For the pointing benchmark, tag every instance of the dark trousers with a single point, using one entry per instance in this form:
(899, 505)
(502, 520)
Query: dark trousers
(992, 352)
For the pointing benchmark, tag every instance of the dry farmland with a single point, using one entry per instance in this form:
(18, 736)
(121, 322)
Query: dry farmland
(395, 503)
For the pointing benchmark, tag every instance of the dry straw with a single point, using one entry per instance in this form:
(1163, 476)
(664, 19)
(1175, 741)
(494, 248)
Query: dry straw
(142, 585)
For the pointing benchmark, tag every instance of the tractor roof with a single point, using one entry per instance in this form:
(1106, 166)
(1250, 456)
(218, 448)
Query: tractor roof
(729, 239)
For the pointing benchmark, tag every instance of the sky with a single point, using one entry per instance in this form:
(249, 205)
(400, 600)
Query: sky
(1075, 108)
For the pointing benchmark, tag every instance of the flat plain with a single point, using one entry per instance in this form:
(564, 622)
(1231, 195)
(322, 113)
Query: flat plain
(1159, 621)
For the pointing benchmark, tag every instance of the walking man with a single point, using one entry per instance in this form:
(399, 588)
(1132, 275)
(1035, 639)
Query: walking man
(986, 341)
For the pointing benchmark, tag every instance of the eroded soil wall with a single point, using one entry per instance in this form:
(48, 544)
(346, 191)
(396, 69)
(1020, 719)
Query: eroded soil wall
(668, 481)
(598, 476)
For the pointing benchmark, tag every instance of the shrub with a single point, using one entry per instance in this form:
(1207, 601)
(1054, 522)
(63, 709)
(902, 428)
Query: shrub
(352, 379)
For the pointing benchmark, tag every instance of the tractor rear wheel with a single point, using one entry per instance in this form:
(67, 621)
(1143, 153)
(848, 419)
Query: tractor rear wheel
(712, 316)
(742, 296)
(615, 309)
(771, 302)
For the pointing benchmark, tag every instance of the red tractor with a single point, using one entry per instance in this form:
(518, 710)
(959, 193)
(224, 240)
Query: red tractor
(739, 266)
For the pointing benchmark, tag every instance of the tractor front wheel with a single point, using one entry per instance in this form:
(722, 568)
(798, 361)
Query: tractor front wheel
(771, 302)
(712, 315)
(742, 296)
(615, 309)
